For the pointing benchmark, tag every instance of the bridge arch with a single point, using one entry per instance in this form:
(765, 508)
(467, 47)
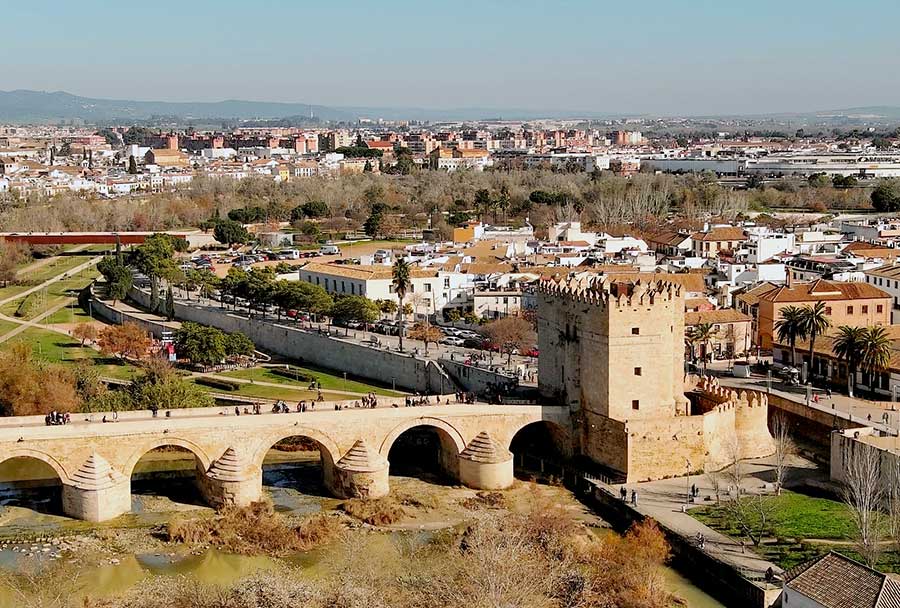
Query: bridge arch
(50, 461)
(327, 446)
(427, 421)
(159, 442)
(538, 443)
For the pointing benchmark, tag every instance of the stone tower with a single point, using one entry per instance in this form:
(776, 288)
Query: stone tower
(614, 352)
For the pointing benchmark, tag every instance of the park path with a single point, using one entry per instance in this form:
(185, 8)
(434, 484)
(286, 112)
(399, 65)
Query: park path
(50, 281)
(44, 261)
(35, 322)
(665, 501)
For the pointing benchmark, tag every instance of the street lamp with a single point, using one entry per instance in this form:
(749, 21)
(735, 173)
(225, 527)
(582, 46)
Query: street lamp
(687, 483)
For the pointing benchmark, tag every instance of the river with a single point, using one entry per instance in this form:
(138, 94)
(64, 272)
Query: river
(293, 488)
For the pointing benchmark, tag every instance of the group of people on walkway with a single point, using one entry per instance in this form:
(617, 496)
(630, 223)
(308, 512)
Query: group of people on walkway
(55, 418)
(464, 397)
(623, 494)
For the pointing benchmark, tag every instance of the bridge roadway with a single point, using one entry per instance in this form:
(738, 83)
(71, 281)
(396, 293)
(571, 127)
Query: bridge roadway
(95, 460)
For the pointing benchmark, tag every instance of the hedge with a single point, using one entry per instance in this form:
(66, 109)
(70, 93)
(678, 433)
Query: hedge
(218, 383)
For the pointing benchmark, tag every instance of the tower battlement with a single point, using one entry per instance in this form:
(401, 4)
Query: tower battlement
(605, 291)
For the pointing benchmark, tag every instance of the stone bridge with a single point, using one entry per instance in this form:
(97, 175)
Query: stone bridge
(95, 460)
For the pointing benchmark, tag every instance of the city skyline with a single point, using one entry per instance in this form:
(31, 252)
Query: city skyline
(699, 59)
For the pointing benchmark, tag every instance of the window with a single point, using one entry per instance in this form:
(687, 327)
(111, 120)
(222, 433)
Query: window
(447, 283)
(637, 371)
(428, 287)
(849, 310)
(828, 310)
(865, 309)
(353, 288)
(635, 331)
(343, 287)
(635, 404)
(879, 308)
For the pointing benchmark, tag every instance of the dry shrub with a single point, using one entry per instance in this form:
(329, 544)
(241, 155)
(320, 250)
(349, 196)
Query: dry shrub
(254, 529)
(375, 511)
(424, 501)
(485, 500)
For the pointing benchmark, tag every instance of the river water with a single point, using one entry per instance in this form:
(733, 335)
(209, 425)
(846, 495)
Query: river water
(28, 512)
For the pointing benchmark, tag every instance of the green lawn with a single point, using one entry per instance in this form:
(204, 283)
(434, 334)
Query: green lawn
(329, 380)
(291, 395)
(6, 327)
(48, 271)
(794, 516)
(58, 348)
(53, 295)
(803, 527)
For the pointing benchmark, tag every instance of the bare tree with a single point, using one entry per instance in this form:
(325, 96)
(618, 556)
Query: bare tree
(734, 473)
(715, 481)
(752, 513)
(784, 449)
(892, 500)
(862, 492)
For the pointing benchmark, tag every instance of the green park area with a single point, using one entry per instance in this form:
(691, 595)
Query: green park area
(55, 347)
(41, 273)
(798, 527)
(329, 380)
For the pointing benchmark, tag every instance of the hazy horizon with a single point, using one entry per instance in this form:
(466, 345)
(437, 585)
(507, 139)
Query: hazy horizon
(658, 58)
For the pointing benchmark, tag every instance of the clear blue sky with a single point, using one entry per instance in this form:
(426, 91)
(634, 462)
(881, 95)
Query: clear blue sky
(655, 56)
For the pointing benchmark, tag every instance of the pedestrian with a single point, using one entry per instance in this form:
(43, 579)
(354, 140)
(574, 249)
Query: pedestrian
(828, 392)
(693, 489)
(237, 411)
(623, 493)
(634, 497)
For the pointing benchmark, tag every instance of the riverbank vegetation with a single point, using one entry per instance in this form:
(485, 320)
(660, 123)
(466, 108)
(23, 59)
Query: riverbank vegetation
(540, 558)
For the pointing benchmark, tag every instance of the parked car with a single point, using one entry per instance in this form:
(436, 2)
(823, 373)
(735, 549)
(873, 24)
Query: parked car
(330, 250)
(453, 341)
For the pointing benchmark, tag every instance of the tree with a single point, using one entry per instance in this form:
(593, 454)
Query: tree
(426, 333)
(847, 346)
(132, 165)
(201, 344)
(315, 209)
(401, 282)
(118, 277)
(126, 341)
(155, 258)
(259, 288)
(355, 308)
(862, 492)
(387, 307)
(238, 345)
(230, 232)
(160, 386)
(703, 334)
(86, 332)
(791, 327)
(784, 449)
(510, 334)
(886, 196)
(753, 515)
(815, 322)
(373, 224)
(483, 202)
(875, 353)
(29, 386)
(11, 256)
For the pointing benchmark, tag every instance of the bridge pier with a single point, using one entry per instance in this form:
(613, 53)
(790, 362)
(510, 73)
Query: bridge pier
(361, 473)
(96, 492)
(486, 465)
(230, 481)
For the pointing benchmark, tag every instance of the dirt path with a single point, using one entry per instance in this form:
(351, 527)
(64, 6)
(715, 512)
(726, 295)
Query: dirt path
(35, 322)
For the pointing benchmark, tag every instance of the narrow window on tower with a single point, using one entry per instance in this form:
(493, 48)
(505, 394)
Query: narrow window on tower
(635, 404)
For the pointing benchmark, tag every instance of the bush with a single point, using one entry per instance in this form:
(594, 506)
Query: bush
(293, 373)
(374, 511)
(254, 529)
(218, 383)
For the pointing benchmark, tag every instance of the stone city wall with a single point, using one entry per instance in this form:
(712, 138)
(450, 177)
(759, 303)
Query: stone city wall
(386, 367)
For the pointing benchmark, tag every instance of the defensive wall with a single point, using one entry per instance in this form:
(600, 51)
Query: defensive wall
(95, 461)
(404, 369)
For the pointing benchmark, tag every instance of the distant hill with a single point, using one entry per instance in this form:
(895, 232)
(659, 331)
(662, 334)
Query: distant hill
(23, 106)
(37, 106)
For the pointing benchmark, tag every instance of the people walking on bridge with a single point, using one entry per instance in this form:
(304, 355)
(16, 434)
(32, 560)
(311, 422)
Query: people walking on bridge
(237, 411)
(623, 493)
(634, 497)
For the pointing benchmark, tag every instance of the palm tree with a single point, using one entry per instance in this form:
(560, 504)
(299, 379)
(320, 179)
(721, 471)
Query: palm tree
(702, 334)
(401, 284)
(847, 346)
(791, 327)
(815, 323)
(876, 353)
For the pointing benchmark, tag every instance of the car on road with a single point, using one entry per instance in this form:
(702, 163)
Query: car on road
(453, 341)
(329, 250)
